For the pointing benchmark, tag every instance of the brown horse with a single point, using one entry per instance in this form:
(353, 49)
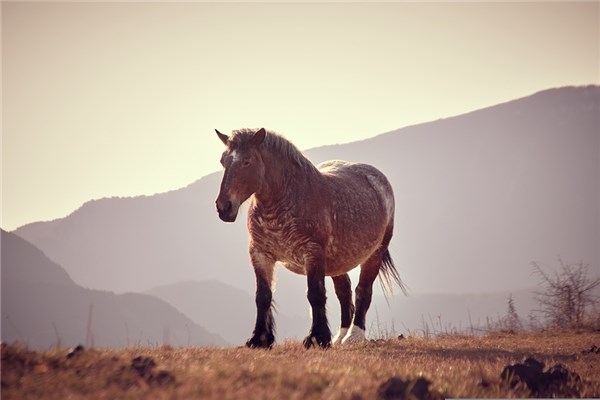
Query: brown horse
(317, 221)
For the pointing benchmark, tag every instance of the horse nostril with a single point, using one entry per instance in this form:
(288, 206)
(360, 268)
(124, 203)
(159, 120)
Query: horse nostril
(224, 207)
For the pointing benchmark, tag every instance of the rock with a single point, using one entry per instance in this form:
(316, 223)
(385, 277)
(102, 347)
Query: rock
(518, 373)
(75, 351)
(144, 366)
(560, 381)
(534, 364)
(558, 373)
(556, 381)
(592, 350)
(163, 378)
(420, 388)
(396, 388)
(393, 388)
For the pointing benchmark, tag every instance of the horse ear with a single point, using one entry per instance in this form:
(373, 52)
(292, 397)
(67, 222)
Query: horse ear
(259, 136)
(224, 138)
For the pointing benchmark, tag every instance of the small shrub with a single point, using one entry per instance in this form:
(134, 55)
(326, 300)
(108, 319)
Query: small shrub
(566, 294)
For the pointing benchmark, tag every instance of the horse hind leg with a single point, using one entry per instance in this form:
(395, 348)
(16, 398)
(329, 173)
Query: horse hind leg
(364, 292)
(343, 291)
(379, 263)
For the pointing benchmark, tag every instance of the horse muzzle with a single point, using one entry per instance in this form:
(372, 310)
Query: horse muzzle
(227, 210)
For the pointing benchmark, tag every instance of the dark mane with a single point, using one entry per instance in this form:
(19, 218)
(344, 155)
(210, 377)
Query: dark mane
(274, 143)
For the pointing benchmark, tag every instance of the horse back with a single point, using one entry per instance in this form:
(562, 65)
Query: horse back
(358, 189)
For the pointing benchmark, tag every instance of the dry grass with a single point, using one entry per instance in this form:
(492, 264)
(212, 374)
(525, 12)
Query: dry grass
(457, 366)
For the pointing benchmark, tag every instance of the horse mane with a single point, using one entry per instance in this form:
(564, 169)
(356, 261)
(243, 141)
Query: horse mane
(273, 143)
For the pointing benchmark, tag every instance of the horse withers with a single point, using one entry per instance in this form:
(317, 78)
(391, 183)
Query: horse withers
(317, 221)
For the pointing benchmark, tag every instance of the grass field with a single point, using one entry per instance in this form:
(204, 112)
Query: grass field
(455, 366)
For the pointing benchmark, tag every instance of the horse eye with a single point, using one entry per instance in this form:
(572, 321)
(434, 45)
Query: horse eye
(246, 163)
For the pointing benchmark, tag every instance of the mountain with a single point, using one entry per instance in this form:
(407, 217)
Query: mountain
(444, 313)
(43, 307)
(234, 319)
(478, 197)
(227, 310)
(482, 195)
(231, 312)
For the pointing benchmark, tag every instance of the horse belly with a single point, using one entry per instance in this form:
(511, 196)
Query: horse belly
(362, 205)
(340, 261)
(294, 267)
(357, 236)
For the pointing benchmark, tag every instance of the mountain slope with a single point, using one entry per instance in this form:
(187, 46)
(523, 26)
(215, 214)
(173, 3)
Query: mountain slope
(43, 307)
(229, 311)
(478, 197)
(481, 195)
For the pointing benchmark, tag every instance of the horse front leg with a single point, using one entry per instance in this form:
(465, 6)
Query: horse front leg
(319, 331)
(343, 291)
(263, 335)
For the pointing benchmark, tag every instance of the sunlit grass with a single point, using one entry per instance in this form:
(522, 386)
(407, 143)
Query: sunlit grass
(457, 366)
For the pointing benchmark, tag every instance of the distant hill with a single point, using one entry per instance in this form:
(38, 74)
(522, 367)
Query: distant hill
(481, 195)
(478, 197)
(43, 307)
(229, 311)
(448, 313)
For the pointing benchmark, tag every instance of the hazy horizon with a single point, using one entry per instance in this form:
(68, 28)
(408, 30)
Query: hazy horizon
(479, 197)
(519, 182)
(121, 99)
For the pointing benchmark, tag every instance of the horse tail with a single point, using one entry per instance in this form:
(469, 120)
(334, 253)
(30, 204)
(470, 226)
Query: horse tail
(388, 275)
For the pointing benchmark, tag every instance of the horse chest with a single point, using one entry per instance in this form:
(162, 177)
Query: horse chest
(284, 239)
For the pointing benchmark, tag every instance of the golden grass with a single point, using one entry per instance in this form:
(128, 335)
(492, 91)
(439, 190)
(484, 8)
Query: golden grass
(457, 366)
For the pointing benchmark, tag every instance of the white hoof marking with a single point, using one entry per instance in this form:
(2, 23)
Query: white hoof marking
(355, 334)
(337, 340)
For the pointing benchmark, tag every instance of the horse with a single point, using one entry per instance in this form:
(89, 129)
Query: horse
(317, 221)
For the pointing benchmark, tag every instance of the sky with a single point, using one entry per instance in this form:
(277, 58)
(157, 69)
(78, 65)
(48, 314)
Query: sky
(122, 99)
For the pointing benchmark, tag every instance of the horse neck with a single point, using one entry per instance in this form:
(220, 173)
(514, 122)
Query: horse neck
(284, 180)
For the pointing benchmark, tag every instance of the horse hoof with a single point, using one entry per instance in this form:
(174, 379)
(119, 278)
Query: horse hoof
(323, 341)
(337, 340)
(355, 335)
(264, 341)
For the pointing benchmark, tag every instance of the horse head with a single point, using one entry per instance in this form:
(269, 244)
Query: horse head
(243, 174)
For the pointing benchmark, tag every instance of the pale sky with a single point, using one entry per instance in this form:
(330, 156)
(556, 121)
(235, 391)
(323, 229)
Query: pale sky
(121, 99)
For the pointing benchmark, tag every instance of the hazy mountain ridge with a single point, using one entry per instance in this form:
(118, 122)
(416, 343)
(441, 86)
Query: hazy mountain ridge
(43, 307)
(22, 262)
(228, 310)
(445, 313)
(478, 197)
(539, 192)
(90, 229)
(231, 312)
